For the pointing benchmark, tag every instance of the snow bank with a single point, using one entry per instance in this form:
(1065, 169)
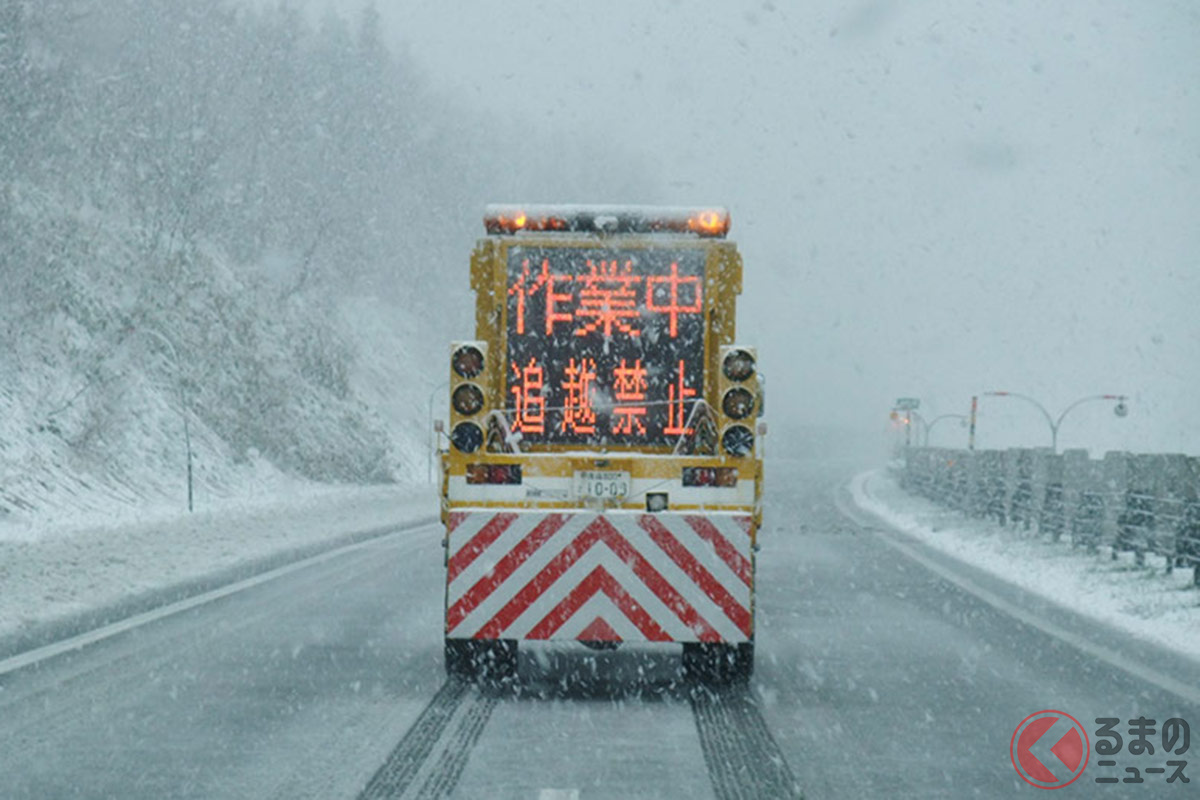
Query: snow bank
(53, 573)
(1142, 601)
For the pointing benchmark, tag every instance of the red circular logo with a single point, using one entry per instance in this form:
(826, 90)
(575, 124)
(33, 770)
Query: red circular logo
(1049, 749)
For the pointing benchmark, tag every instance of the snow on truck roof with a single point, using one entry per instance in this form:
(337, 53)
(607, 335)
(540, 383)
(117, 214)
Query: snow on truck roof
(510, 218)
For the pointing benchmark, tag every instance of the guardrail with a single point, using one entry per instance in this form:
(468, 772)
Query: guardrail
(1125, 502)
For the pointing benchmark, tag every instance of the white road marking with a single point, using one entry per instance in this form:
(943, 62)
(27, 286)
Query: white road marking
(558, 794)
(1165, 682)
(82, 640)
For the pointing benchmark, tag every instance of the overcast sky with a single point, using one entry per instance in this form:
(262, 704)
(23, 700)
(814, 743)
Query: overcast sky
(932, 198)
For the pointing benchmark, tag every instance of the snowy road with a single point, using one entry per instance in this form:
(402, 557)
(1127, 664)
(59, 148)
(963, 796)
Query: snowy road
(876, 677)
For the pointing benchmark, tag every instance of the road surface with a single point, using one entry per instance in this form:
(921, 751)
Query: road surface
(877, 675)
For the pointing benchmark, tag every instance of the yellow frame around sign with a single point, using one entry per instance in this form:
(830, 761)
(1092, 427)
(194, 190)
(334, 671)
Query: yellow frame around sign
(489, 280)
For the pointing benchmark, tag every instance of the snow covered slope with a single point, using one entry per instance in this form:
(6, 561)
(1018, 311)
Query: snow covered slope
(52, 573)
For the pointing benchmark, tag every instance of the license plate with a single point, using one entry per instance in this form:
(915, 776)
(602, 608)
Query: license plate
(602, 485)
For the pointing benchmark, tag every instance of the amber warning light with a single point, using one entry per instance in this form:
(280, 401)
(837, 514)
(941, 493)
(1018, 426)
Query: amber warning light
(510, 219)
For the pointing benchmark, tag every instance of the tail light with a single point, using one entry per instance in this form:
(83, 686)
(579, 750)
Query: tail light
(467, 437)
(737, 403)
(493, 473)
(738, 440)
(738, 366)
(468, 399)
(710, 476)
(467, 361)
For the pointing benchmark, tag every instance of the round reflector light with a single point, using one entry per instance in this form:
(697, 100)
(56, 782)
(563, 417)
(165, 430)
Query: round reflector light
(467, 361)
(738, 440)
(738, 403)
(467, 399)
(738, 366)
(467, 437)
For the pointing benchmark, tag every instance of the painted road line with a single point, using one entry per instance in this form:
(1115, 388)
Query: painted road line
(39, 654)
(1186, 691)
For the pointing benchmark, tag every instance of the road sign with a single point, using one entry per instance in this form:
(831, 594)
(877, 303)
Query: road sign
(908, 403)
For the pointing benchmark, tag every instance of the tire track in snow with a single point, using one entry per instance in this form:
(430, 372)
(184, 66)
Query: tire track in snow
(429, 760)
(743, 759)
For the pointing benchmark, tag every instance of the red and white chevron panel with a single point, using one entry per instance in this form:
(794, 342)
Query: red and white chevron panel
(617, 576)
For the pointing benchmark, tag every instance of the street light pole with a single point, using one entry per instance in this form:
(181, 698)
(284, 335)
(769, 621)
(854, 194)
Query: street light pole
(187, 432)
(939, 418)
(924, 426)
(1120, 409)
(974, 413)
(441, 386)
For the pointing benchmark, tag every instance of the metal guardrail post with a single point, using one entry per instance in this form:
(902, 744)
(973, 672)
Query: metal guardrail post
(1114, 474)
(1189, 538)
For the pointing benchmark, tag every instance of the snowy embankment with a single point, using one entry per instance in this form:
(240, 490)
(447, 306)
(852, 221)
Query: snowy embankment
(52, 574)
(1143, 601)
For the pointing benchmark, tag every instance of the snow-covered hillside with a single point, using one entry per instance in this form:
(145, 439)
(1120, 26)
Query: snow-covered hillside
(239, 218)
(110, 354)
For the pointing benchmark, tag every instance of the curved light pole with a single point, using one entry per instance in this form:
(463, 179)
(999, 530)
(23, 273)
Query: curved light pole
(939, 418)
(1120, 409)
(187, 432)
(927, 424)
(924, 426)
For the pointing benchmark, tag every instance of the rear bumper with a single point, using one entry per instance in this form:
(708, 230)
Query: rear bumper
(612, 576)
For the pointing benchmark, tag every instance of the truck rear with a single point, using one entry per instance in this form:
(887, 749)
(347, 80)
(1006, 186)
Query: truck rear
(603, 478)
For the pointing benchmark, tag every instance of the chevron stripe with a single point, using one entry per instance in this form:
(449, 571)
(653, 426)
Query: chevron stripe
(509, 562)
(690, 627)
(642, 577)
(487, 534)
(723, 597)
(704, 552)
(598, 580)
(602, 613)
(598, 630)
(722, 543)
(487, 561)
(600, 530)
(475, 603)
(455, 518)
(698, 574)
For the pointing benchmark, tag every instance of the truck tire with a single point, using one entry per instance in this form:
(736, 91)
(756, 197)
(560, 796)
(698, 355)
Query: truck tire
(491, 662)
(718, 664)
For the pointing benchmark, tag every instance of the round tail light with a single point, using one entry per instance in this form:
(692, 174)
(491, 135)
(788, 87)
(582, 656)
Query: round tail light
(738, 440)
(738, 366)
(467, 361)
(467, 437)
(467, 399)
(737, 403)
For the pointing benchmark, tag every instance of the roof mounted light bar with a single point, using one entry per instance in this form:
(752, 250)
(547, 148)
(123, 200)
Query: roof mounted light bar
(512, 218)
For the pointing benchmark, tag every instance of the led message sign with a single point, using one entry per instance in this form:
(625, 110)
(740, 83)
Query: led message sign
(605, 346)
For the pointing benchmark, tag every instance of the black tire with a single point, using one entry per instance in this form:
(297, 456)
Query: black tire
(490, 661)
(718, 664)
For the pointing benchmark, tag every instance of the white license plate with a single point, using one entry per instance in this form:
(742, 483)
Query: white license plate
(602, 485)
